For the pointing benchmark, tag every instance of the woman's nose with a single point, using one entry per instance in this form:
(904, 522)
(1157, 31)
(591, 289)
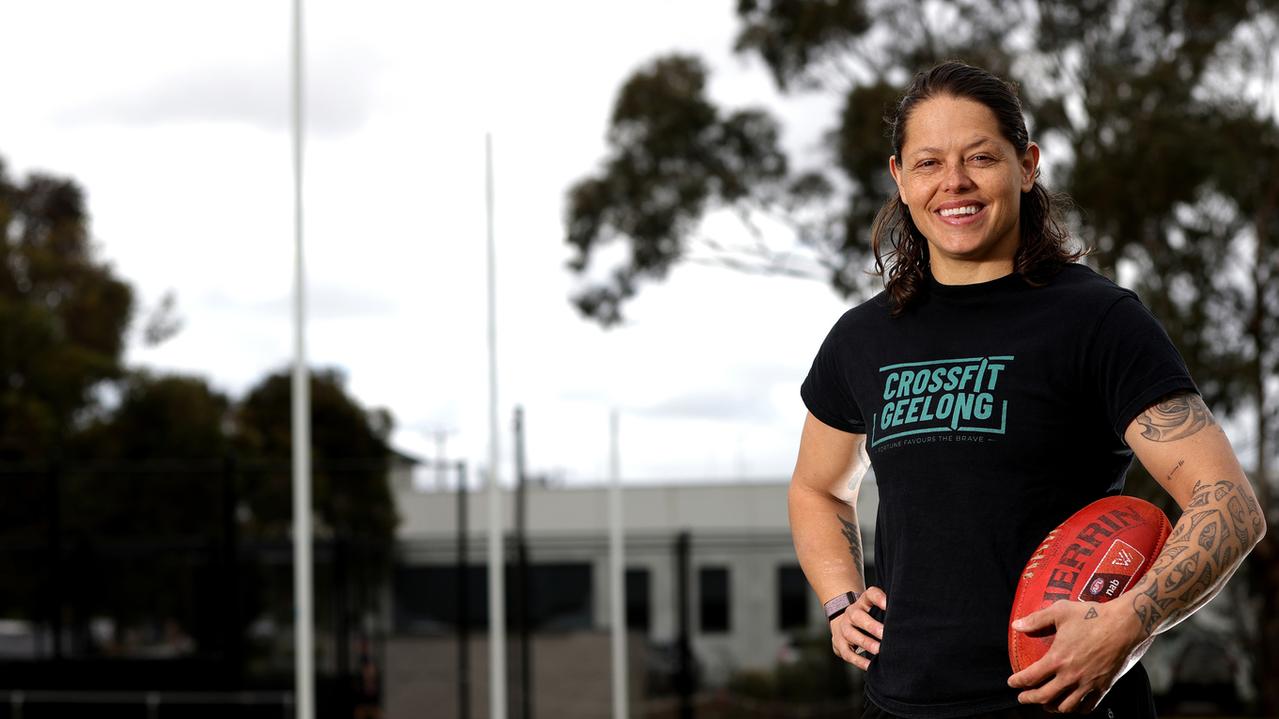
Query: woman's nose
(957, 179)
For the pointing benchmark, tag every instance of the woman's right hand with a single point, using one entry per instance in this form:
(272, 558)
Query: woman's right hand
(855, 635)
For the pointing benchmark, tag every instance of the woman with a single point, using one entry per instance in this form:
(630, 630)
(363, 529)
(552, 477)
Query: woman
(997, 387)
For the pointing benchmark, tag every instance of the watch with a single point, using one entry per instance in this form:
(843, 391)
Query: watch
(836, 606)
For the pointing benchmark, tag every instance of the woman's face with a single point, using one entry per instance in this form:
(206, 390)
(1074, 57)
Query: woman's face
(962, 181)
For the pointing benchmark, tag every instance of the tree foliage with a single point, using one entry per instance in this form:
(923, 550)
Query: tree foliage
(64, 317)
(153, 465)
(350, 458)
(672, 155)
(128, 491)
(63, 314)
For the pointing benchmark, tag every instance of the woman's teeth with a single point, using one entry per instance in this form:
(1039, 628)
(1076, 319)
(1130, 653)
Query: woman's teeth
(966, 210)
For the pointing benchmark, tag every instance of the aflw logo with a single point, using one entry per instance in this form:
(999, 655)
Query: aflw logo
(1114, 573)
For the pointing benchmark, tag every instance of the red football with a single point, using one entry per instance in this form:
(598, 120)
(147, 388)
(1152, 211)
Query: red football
(1094, 556)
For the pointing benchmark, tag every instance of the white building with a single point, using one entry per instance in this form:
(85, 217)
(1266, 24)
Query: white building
(745, 591)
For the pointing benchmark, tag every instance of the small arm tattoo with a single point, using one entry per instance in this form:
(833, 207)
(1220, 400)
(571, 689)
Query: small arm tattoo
(1175, 417)
(854, 538)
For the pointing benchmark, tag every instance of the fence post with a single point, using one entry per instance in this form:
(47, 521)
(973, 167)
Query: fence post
(53, 485)
(463, 603)
(684, 659)
(232, 631)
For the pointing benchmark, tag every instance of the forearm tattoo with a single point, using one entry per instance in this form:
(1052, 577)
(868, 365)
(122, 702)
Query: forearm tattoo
(1221, 523)
(854, 537)
(1175, 417)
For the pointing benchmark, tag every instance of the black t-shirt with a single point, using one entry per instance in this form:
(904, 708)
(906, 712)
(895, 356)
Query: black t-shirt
(992, 412)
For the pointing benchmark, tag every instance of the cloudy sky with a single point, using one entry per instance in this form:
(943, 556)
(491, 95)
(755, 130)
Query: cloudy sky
(174, 118)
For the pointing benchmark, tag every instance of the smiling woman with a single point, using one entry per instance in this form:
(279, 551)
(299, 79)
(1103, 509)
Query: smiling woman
(997, 387)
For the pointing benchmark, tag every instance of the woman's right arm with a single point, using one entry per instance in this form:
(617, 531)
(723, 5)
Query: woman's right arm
(822, 503)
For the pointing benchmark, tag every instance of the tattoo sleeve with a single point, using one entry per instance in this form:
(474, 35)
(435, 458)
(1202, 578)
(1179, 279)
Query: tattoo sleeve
(1220, 524)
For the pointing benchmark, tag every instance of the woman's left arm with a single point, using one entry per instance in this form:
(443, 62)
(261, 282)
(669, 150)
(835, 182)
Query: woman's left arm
(1185, 450)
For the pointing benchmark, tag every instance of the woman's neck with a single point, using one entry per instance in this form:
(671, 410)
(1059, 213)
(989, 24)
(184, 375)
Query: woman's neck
(970, 273)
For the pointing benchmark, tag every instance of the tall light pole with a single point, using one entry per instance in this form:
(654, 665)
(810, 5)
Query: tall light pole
(497, 593)
(304, 673)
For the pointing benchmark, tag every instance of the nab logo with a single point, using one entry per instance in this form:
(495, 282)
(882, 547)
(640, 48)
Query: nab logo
(1122, 559)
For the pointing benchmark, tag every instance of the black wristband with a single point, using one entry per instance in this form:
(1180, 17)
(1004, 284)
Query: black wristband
(836, 606)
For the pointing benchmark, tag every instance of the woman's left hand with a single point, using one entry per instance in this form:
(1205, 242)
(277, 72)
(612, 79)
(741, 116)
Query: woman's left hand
(1093, 645)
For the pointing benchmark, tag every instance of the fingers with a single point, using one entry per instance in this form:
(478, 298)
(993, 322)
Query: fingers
(1047, 693)
(1042, 619)
(843, 646)
(1064, 696)
(860, 612)
(1033, 675)
(1090, 701)
(865, 624)
(849, 641)
(845, 652)
(853, 634)
(1081, 701)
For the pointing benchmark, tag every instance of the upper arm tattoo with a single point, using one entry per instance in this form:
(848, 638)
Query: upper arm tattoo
(1176, 416)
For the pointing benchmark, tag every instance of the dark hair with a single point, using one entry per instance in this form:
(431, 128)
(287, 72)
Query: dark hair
(1043, 247)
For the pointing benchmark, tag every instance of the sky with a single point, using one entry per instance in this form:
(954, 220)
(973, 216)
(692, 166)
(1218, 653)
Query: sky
(174, 118)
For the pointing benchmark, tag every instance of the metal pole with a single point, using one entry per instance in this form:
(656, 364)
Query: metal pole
(54, 599)
(497, 609)
(231, 628)
(617, 573)
(463, 603)
(521, 568)
(683, 652)
(304, 674)
(440, 464)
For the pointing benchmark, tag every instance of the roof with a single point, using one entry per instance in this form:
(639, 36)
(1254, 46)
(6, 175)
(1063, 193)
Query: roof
(731, 507)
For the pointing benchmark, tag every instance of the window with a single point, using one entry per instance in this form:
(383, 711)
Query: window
(638, 607)
(712, 585)
(792, 598)
(426, 597)
(559, 596)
